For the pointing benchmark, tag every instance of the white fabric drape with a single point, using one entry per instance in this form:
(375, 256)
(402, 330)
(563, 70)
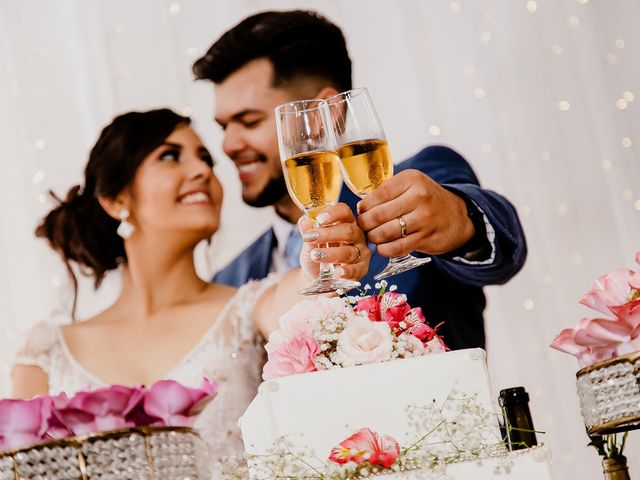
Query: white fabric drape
(540, 96)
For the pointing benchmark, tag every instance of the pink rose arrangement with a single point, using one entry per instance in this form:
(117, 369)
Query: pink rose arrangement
(326, 333)
(616, 296)
(165, 404)
(366, 447)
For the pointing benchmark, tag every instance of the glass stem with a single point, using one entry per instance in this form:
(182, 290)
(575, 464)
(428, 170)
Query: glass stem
(327, 270)
(401, 259)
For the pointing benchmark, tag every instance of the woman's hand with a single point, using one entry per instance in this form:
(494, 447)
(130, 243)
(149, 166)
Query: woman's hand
(348, 249)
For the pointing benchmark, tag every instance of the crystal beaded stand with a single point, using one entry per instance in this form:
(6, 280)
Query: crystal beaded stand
(609, 394)
(141, 453)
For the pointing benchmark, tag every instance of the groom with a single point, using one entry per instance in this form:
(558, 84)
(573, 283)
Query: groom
(433, 206)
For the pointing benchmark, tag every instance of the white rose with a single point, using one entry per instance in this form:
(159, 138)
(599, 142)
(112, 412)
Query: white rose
(364, 341)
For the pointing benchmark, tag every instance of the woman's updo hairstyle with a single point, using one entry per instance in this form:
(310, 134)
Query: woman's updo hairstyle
(78, 228)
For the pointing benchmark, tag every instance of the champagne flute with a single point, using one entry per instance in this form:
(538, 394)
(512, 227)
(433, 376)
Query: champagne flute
(312, 172)
(365, 157)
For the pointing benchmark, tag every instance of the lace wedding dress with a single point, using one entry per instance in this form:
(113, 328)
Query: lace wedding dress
(231, 352)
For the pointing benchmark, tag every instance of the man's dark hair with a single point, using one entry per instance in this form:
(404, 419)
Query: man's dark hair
(297, 42)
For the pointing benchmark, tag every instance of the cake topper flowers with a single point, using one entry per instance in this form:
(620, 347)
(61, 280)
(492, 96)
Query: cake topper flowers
(325, 333)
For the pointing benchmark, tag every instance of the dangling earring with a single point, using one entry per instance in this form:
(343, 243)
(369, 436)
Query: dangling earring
(125, 229)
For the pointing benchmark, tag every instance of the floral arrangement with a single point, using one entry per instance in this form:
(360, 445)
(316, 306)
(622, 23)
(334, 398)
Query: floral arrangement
(617, 332)
(165, 404)
(326, 333)
(458, 429)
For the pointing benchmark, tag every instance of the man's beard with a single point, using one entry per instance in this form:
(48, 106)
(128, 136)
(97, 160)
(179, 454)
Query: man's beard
(272, 193)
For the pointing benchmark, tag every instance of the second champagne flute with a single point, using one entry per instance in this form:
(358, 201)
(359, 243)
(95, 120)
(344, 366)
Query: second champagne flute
(366, 160)
(312, 172)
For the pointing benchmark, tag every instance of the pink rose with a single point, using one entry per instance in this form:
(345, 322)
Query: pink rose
(609, 291)
(175, 405)
(366, 446)
(305, 315)
(364, 341)
(100, 410)
(291, 356)
(23, 422)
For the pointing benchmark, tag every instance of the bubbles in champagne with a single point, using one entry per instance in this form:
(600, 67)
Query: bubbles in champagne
(366, 164)
(313, 180)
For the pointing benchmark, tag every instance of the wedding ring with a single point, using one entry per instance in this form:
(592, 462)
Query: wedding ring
(403, 227)
(358, 254)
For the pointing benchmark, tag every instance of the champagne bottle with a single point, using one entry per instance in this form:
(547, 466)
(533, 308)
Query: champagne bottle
(517, 418)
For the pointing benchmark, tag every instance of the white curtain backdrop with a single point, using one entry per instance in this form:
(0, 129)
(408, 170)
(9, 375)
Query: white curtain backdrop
(541, 96)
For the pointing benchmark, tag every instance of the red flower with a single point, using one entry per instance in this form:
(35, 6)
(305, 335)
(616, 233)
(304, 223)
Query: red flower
(371, 305)
(366, 446)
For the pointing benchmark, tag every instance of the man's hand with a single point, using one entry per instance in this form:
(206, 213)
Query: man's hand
(348, 245)
(435, 219)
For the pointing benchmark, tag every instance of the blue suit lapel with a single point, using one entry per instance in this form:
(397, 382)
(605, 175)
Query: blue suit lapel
(259, 254)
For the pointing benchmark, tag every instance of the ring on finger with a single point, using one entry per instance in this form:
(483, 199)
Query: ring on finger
(358, 254)
(403, 226)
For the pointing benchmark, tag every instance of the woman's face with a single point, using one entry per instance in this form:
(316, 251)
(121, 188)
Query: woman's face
(175, 190)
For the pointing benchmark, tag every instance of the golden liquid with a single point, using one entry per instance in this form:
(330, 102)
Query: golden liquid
(313, 180)
(366, 165)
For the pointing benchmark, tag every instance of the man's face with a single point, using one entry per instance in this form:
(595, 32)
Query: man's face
(244, 109)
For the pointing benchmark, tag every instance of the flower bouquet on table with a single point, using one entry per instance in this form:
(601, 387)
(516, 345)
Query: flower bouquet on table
(112, 432)
(326, 333)
(608, 350)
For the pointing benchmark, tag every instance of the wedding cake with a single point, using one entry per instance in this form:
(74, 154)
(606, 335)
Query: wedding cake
(411, 411)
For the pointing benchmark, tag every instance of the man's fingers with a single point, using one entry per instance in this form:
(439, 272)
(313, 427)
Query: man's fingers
(390, 189)
(382, 214)
(393, 229)
(399, 247)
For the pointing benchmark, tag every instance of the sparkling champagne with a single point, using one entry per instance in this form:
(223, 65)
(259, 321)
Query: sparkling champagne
(313, 180)
(366, 164)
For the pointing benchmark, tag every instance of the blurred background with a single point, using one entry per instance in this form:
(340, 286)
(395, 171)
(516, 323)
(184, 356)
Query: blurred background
(541, 96)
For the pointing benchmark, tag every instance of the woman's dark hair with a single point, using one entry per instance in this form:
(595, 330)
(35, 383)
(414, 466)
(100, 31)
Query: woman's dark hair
(297, 42)
(78, 228)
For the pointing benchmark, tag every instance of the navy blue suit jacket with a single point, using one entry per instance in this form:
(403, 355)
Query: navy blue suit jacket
(448, 291)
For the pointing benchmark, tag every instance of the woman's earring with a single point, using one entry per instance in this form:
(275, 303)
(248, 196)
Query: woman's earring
(125, 229)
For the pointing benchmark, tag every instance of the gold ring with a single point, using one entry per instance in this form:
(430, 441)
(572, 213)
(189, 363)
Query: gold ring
(403, 227)
(358, 253)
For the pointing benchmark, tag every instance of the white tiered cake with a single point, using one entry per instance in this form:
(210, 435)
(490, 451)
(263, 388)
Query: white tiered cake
(438, 407)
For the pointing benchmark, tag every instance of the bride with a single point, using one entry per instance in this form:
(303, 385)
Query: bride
(149, 197)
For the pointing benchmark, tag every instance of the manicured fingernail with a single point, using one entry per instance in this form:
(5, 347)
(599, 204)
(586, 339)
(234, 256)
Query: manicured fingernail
(358, 207)
(318, 254)
(311, 236)
(323, 217)
(340, 271)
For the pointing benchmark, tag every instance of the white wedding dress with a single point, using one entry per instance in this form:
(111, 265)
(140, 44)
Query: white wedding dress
(231, 353)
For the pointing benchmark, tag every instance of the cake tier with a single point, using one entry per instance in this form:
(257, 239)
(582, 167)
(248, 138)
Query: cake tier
(529, 464)
(445, 397)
